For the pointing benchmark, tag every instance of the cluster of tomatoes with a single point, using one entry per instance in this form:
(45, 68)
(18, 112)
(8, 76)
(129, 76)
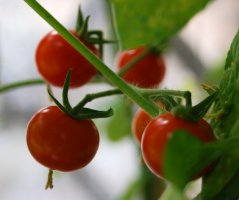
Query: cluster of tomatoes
(55, 138)
(61, 142)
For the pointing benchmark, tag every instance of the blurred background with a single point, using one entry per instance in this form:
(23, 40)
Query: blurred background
(195, 56)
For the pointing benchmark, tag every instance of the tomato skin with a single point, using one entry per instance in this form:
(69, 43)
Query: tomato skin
(147, 73)
(158, 132)
(139, 123)
(55, 56)
(60, 142)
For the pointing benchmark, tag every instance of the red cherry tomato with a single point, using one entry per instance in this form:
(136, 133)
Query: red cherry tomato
(140, 120)
(60, 142)
(146, 73)
(55, 56)
(159, 130)
(139, 123)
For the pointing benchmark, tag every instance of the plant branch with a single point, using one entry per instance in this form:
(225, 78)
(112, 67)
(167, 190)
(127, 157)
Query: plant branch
(90, 97)
(15, 85)
(156, 92)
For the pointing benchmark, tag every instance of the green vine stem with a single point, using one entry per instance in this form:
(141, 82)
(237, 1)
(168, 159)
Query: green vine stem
(79, 111)
(136, 96)
(155, 92)
(15, 85)
(90, 97)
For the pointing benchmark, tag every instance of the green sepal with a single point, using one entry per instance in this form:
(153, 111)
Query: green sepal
(81, 112)
(88, 113)
(82, 32)
(65, 90)
(82, 25)
(198, 111)
(56, 101)
(94, 37)
(183, 112)
(79, 20)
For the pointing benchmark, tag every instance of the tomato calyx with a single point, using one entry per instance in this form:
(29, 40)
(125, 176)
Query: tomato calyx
(197, 112)
(79, 111)
(172, 102)
(94, 37)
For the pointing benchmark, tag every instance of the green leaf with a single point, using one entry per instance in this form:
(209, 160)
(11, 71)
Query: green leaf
(147, 22)
(226, 125)
(183, 151)
(230, 191)
(185, 156)
(228, 88)
(228, 164)
(119, 125)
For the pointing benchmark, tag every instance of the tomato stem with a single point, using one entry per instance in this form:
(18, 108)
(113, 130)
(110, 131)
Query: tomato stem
(49, 183)
(90, 97)
(156, 92)
(143, 102)
(15, 85)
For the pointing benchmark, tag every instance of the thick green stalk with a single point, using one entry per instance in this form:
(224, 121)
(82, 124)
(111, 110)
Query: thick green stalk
(132, 93)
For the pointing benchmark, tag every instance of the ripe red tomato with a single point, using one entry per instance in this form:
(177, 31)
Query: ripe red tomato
(146, 73)
(159, 130)
(60, 142)
(55, 56)
(139, 123)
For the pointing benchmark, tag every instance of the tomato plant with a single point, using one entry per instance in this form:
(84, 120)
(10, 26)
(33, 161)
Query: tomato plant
(55, 56)
(60, 142)
(65, 138)
(148, 72)
(158, 132)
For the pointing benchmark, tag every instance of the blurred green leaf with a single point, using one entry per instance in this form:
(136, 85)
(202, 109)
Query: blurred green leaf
(182, 152)
(228, 87)
(230, 191)
(226, 125)
(185, 156)
(119, 125)
(147, 22)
